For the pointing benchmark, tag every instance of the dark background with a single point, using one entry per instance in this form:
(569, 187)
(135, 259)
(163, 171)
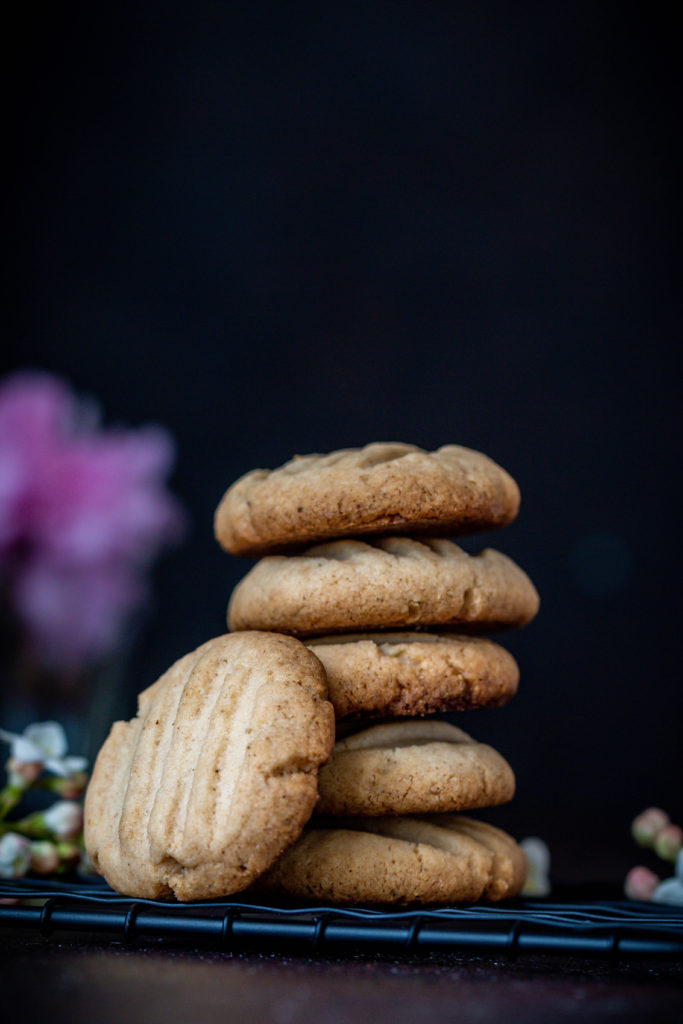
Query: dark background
(297, 228)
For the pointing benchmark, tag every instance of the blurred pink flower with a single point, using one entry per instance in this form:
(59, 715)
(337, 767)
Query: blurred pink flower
(83, 513)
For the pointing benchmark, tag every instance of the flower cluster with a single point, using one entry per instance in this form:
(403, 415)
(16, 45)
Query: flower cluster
(83, 512)
(653, 829)
(48, 841)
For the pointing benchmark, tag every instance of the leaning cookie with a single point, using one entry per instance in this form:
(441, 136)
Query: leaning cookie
(385, 674)
(378, 489)
(446, 859)
(217, 774)
(413, 767)
(393, 583)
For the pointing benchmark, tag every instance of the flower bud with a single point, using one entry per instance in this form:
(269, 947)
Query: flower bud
(668, 842)
(44, 857)
(15, 855)
(640, 883)
(69, 854)
(645, 826)
(70, 787)
(64, 819)
(23, 773)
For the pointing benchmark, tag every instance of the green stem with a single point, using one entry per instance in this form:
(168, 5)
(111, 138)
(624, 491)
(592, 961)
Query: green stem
(32, 826)
(9, 798)
(52, 783)
(60, 786)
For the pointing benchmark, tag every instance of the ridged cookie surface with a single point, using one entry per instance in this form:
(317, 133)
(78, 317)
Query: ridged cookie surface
(379, 489)
(413, 767)
(217, 774)
(392, 583)
(445, 859)
(387, 674)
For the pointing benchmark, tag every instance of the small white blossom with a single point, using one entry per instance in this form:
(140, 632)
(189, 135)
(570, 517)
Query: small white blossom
(86, 866)
(15, 855)
(538, 867)
(64, 819)
(44, 743)
(671, 889)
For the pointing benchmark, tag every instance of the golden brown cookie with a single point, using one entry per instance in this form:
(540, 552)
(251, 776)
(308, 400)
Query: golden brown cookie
(444, 859)
(417, 766)
(385, 674)
(392, 583)
(217, 774)
(378, 489)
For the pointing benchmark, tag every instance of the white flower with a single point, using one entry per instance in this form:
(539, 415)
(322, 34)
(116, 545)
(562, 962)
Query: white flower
(44, 743)
(671, 889)
(538, 867)
(64, 819)
(15, 855)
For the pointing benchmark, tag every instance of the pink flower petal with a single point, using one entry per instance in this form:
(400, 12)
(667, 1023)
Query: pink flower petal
(83, 512)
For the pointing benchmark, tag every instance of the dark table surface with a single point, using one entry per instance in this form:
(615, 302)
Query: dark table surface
(52, 967)
(84, 978)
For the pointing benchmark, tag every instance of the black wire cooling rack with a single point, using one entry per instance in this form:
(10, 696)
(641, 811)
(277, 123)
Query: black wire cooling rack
(596, 928)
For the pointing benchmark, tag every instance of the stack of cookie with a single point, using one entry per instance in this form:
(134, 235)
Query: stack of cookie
(229, 776)
(392, 609)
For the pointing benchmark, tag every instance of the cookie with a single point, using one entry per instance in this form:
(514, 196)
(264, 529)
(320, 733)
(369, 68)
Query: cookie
(405, 860)
(391, 583)
(378, 489)
(217, 774)
(418, 766)
(386, 674)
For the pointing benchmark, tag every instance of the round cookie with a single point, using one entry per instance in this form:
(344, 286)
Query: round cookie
(379, 489)
(413, 767)
(392, 583)
(386, 674)
(217, 774)
(446, 859)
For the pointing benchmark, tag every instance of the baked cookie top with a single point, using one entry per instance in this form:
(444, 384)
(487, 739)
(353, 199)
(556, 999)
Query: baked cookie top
(391, 583)
(385, 674)
(403, 860)
(379, 489)
(417, 766)
(217, 774)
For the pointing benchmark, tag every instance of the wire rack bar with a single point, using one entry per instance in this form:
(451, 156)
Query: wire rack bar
(617, 930)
